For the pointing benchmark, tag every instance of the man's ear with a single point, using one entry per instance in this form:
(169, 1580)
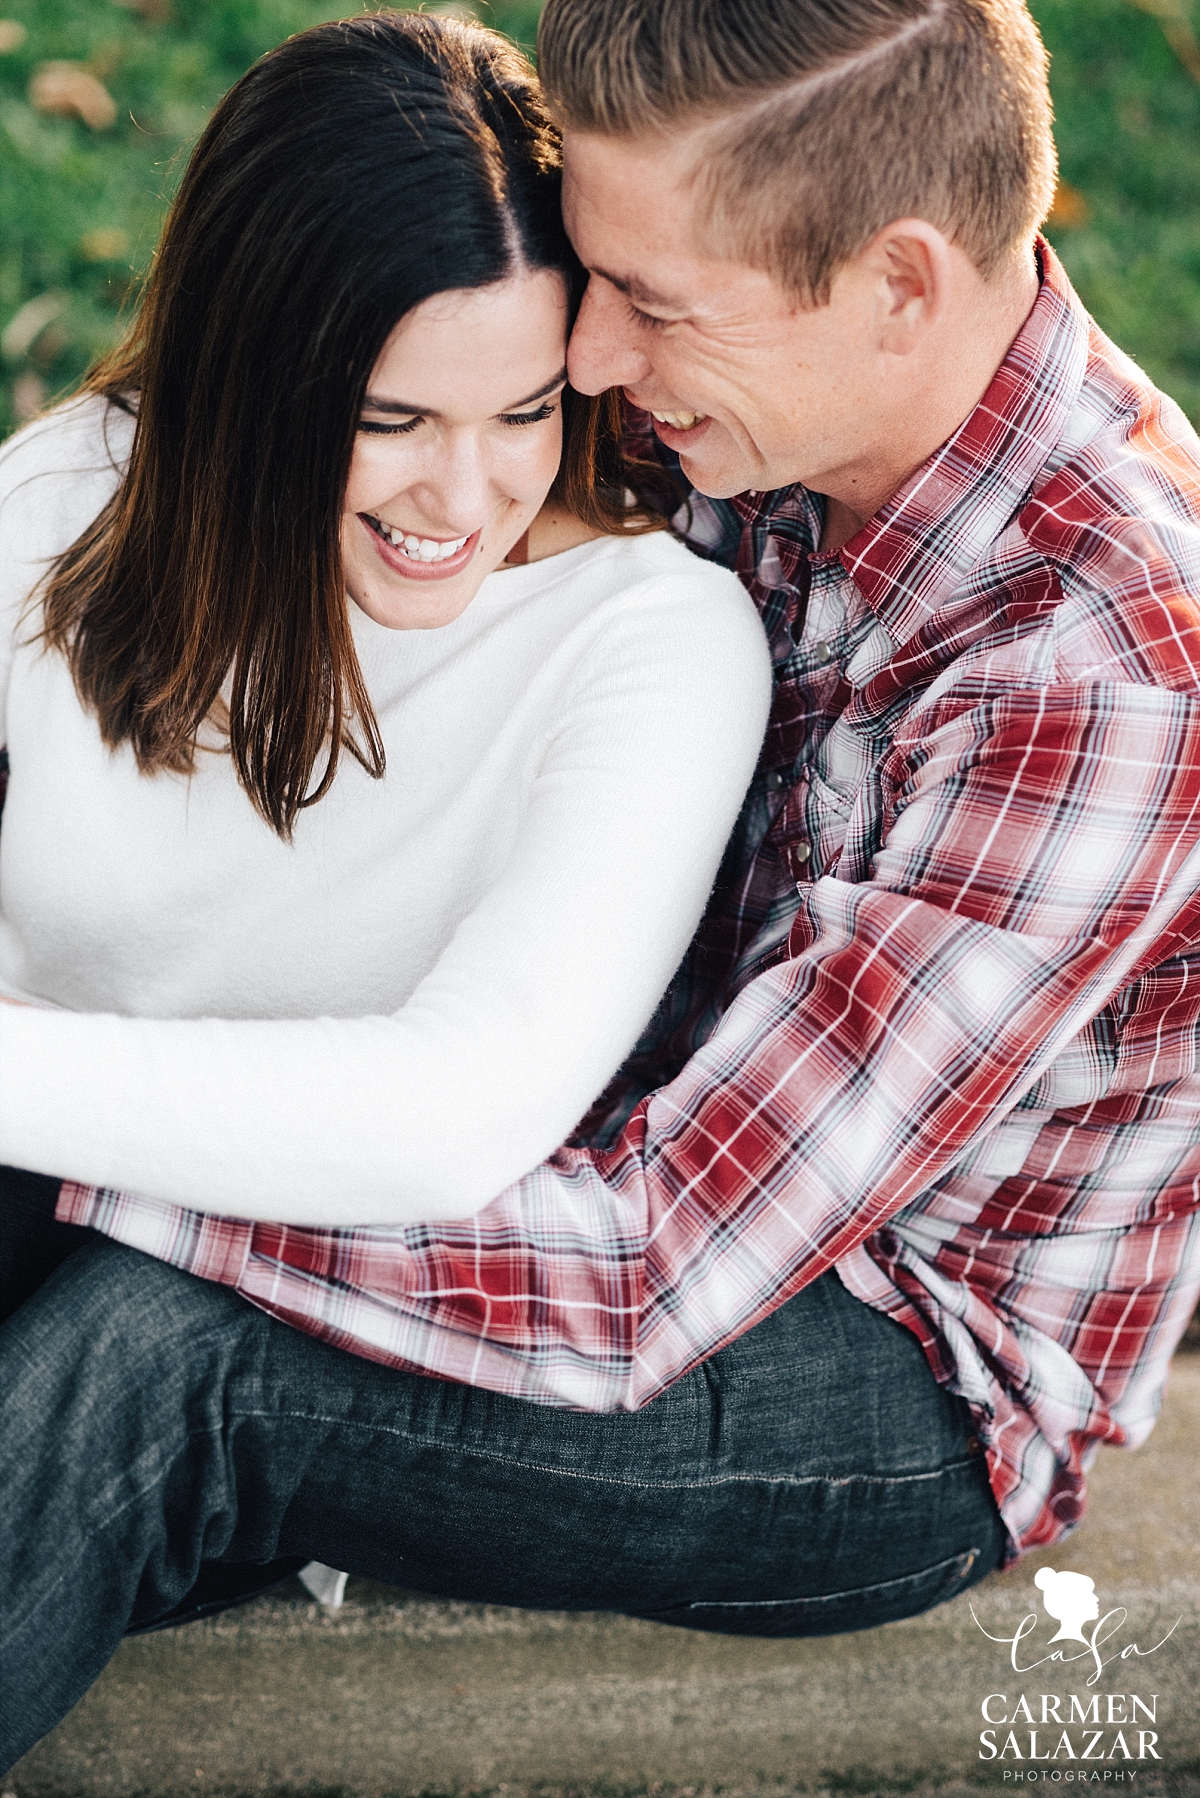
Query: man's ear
(910, 267)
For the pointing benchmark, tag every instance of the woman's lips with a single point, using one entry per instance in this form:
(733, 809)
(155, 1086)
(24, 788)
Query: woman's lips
(412, 567)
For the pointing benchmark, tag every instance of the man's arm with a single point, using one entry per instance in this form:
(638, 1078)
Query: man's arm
(1029, 838)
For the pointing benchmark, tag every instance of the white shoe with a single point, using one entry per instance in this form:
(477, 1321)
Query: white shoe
(326, 1584)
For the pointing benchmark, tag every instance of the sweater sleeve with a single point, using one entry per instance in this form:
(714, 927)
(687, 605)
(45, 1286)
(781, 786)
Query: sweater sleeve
(541, 992)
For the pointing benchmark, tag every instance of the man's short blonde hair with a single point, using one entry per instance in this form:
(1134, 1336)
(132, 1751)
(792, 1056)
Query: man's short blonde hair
(822, 121)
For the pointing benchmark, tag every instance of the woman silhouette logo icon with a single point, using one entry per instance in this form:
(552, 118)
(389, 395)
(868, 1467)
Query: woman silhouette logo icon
(1070, 1598)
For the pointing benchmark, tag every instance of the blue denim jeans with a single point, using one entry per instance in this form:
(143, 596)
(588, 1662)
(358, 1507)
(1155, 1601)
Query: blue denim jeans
(811, 1478)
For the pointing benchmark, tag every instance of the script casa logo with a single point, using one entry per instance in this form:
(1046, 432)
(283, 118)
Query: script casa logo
(1067, 1729)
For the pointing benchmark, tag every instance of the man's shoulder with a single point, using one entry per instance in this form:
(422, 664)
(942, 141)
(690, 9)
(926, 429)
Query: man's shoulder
(1116, 517)
(1126, 469)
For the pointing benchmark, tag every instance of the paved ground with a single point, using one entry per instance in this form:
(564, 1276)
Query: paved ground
(397, 1695)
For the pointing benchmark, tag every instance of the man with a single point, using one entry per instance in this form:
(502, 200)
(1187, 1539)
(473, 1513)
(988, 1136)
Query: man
(915, 1228)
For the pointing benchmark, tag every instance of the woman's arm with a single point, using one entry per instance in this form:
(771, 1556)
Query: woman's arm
(538, 997)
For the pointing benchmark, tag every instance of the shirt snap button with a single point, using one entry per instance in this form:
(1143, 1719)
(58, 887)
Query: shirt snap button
(774, 781)
(801, 852)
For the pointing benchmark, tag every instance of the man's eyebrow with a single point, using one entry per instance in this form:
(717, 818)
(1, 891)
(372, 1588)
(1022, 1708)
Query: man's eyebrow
(373, 405)
(636, 290)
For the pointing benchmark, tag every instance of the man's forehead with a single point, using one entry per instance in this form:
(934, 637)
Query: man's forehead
(642, 181)
(669, 154)
(630, 208)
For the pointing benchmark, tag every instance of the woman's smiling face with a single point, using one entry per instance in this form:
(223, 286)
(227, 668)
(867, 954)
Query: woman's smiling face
(458, 445)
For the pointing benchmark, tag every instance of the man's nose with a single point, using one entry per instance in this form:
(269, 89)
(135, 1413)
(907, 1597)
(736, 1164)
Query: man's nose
(604, 350)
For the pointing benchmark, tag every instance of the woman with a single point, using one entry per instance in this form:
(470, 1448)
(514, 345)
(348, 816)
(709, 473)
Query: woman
(370, 762)
(355, 334)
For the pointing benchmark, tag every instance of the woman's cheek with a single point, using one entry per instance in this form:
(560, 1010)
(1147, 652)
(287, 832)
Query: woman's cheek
(379, 471)
(359, 482)
(538, 463)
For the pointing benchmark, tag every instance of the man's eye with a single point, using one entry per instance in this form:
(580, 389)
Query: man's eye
(648, 319)
(389, 430)
(528, 418)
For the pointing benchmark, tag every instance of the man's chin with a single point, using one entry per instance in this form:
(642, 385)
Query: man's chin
(714, 482)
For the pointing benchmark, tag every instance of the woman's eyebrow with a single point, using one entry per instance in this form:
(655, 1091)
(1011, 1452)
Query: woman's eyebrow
(370, 403)
(541, 393)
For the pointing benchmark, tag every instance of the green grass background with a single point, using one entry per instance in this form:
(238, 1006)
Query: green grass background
(80, 209)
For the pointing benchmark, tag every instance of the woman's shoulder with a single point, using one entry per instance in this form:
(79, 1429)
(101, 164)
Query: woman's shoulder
(659, 555)
(653, 575)
(82, 444)
(641, 617)
(55, 475)
(670, 669)
(669, 596)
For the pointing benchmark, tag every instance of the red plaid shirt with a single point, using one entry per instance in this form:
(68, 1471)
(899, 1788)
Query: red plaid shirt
(939, 1030)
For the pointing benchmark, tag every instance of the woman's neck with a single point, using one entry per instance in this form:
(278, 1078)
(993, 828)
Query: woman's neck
(553, 530)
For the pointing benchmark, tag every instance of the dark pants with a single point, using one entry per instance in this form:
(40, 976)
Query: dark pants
(808, 1479)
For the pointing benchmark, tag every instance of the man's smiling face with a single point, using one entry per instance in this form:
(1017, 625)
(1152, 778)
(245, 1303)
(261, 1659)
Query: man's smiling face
(779, 392)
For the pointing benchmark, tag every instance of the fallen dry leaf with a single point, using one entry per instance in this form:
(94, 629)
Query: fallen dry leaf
(107, 244)
(155, 12)
(26, 326)
(1177, 27)
(68, 88)
(28, 396)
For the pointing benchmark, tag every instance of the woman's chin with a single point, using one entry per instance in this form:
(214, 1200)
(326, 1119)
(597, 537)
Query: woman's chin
(400, 603)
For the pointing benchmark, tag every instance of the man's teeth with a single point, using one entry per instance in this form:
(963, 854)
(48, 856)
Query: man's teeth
(682, 421)
(421, 549)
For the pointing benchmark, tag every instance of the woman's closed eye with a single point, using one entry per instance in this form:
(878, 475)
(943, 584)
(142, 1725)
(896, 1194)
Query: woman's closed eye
(544, 411)
(378, 428)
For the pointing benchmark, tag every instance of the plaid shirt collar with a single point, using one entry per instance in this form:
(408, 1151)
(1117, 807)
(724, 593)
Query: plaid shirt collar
(916, 551)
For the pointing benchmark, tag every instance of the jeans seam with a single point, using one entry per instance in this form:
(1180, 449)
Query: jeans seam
(938, 1583)
(695, 1485)
(945, 1565)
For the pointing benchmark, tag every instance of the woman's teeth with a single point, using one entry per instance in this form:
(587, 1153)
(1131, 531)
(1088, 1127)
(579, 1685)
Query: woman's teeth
(682, 421)
(421, 549)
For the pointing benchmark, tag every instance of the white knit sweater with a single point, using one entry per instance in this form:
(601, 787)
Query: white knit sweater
(411, 1005)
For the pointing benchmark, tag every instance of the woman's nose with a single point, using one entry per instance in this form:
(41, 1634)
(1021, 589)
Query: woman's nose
(456, 486)
(605, 349)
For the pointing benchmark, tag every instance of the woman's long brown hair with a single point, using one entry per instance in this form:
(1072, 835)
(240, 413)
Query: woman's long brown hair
(354, 172)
